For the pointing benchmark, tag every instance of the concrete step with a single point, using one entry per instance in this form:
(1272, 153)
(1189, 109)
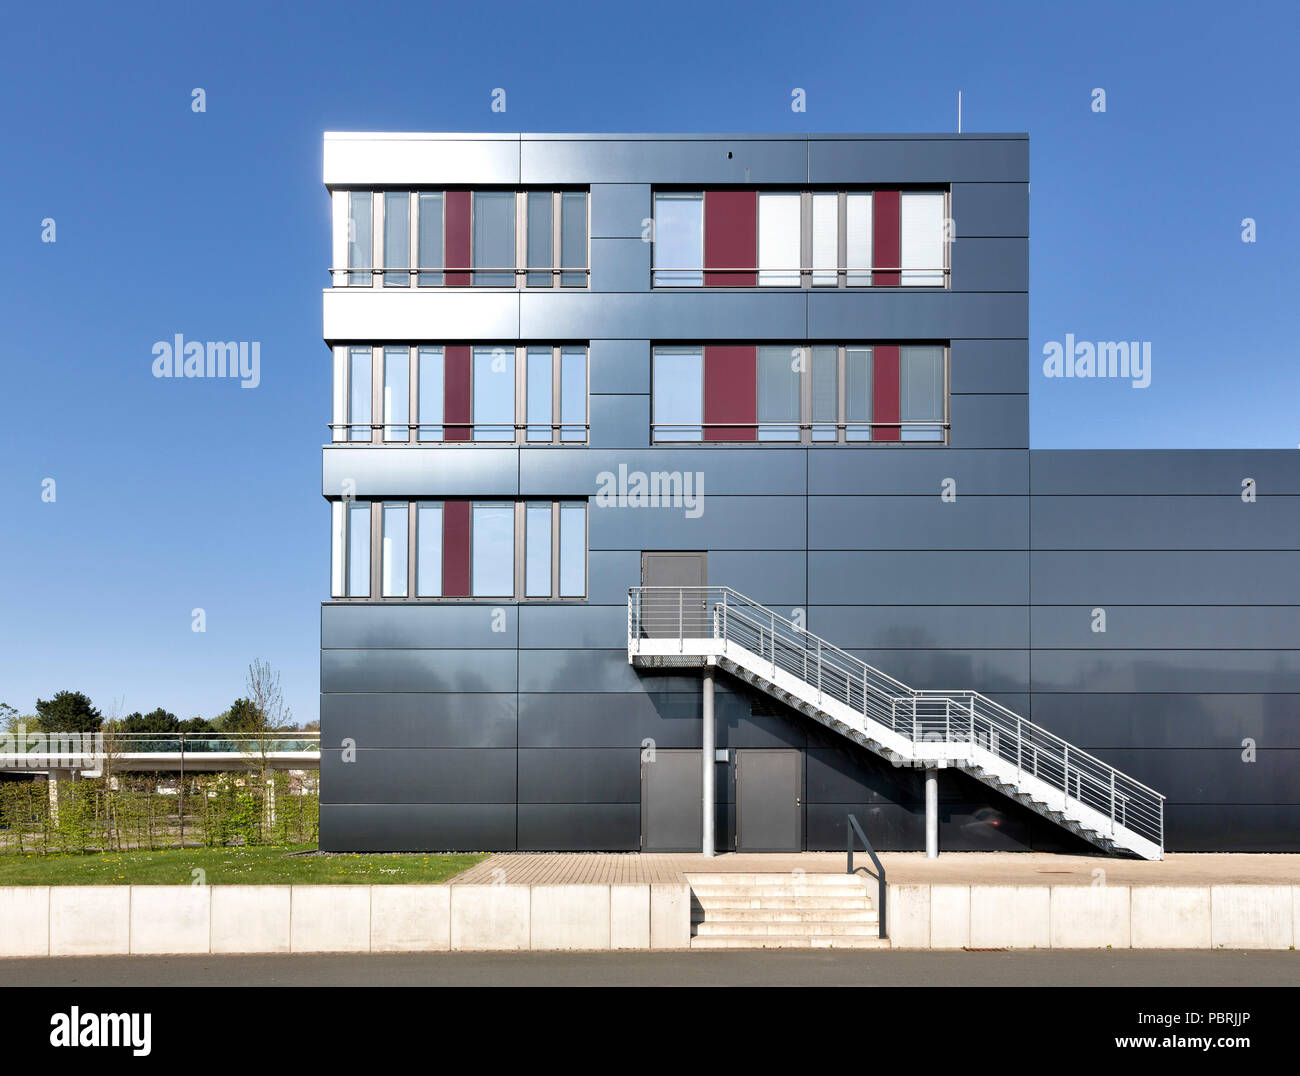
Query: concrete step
(785, 915)
(809, 941)
(738, 878)
(790, 930)
(790, 903)
(759, 892)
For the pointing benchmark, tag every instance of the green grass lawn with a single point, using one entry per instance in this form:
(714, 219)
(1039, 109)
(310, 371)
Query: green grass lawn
(232, 866)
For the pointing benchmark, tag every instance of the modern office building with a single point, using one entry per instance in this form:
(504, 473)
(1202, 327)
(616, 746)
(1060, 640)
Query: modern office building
(785, 381)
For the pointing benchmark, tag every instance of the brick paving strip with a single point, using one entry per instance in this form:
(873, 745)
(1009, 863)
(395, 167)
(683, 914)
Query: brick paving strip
(903, 868)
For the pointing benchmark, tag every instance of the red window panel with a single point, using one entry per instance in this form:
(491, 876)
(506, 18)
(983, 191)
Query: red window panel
(456, 394)
(885, 216)
(458, 236)
(730, 237)
(455, 549)
(884, 391)
(730, 392)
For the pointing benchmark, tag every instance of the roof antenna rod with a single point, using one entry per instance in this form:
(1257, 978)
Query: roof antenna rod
(959, 111)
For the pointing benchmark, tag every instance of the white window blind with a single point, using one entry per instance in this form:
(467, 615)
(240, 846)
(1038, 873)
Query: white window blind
(825, 239)
(857, 214)
(922, 239)
(778, 240)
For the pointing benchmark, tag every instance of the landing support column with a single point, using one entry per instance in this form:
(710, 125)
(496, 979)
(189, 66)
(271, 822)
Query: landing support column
(707, 741)
(932, 812)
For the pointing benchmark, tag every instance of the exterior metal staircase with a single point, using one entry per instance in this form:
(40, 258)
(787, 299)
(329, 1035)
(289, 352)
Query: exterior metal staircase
(693, 626)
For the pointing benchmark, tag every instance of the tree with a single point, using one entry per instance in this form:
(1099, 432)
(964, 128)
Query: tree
(68, 711)
(157, 721)
(238, 718)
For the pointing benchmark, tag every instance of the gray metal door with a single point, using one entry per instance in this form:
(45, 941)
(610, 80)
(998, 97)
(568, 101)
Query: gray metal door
(664, 613)
(671, 814)
(768, 801)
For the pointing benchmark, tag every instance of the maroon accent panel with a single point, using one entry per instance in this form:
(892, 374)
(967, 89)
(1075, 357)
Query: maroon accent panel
(455, 549)
(884, 391)
(456, 393)
(730, 237)
(730, 392)
(458, 245)
(886, 242)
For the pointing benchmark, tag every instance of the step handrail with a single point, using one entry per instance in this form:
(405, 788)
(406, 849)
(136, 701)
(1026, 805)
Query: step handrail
(723, 614)
(882, 887)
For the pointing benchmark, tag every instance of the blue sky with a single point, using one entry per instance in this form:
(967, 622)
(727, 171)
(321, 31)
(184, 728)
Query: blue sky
(176, 495)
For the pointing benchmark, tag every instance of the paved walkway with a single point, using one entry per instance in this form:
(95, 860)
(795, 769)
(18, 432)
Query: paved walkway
(953, 868)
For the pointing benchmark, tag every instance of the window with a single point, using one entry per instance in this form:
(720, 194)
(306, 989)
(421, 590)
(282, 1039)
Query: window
(394, 551)
(921, 235)
(430, 238)
(428, 557)
(494, 238)
(397, 393)
(461, 549)
(573, 239)
(801, 239)
(678, 400)
(361, 225)
(921, 393)
(800, 394)
(432, 393)
(429, 378)
(679, 239)
(540, 228)
(494, 394)
(397, 239)
(359, 394)
(411, 236)
(778, 393)
(778, 240)
(358, 549)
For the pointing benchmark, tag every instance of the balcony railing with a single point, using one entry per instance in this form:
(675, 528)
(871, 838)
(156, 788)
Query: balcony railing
(778, 434)
(828, 279)
(522, 277)
(433, 433)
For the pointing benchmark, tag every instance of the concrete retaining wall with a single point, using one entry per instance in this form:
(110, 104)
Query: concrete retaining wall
(121, 920)
(1094, 917)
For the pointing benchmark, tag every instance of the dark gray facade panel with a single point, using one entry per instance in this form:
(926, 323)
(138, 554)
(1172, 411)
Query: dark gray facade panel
(620, 421)
(619, 367)
(915, 314)
(576, 627)
(418, 670)
(579, 827)
(1165, 578)
(969, 522)
(780, 576)
(1219, 827)
(1204, 775)
(620, 265)
(419, 720)
(669, 719)
(919, 473)
(1168, 670)
(989, 264)
(1137, 627)
(1170, 719)
(986, 420)
(999, 366)
(406, 775)
(380, 625)
(580, 775)
(595, 670)
(666, 159)
(417, 827)
(994, 210)
(1169, 472)
(470, 471)
(610, 572)
(1158, 522)
(917, 578)
(920, 159)
(722, 522)
(691, 314)
(953, 670)
(618, 210)
(930, 627)
(726, 471)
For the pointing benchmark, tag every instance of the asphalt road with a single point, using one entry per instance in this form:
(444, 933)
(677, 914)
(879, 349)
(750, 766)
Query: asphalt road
(751, 968)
